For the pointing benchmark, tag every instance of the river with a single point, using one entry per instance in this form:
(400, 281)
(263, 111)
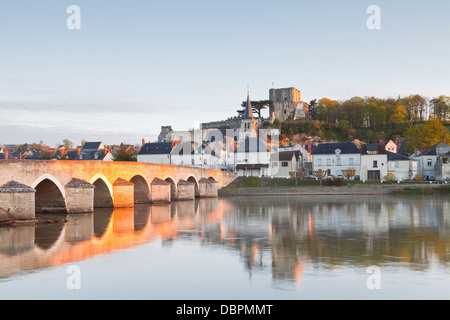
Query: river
(315, 247)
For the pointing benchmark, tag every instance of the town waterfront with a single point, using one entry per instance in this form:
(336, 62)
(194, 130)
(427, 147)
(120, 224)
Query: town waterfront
(283, 247)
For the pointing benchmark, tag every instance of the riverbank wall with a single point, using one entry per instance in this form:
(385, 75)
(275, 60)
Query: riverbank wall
(386, 189)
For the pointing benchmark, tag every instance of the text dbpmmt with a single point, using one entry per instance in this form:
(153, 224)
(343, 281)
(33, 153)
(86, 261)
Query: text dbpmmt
(245, 309)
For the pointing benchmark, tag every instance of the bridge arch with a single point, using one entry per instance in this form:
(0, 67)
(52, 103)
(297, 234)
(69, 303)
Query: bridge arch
(103, 191)
(50, 194)
(195, 182)
(141, 189)
(173, 187)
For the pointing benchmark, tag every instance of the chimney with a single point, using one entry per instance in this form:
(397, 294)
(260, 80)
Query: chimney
(309, 147)
(6, 154)
(422, 149)
(105, 151)
(78, 151)
(143, 141)
(20, 155)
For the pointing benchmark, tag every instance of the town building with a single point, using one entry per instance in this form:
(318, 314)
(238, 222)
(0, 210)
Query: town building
(402, 167)
(427, 160)
(156, 152)
(283, 164)
(335, 157)
(374, 162)
(94, 151)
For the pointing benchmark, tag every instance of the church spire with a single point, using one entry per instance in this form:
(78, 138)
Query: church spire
(248, 108)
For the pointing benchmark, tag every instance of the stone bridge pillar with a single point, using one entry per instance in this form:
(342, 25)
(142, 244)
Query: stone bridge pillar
(160, 191)
(208, 188)
(185, 190)
(123, 194)
(79, 196)
(17, 201)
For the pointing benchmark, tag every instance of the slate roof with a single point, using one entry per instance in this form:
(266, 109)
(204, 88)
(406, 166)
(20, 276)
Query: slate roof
(396, 157)
(251, 166)
(91, 145)
(285, 155)
(432, 151)
(91, 155)
(330, 148)
(156, 148)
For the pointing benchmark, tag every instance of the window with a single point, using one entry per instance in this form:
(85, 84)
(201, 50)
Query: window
(284, 164)
(429, 162)
(375, 164)
(319, 162)
(338, 161)
(275, 164)
(350, 161)
(328, 162)
(396, 164)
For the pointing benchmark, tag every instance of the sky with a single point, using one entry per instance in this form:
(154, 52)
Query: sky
(137, 65)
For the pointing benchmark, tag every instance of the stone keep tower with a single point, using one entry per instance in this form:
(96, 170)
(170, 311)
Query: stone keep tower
(286, 104)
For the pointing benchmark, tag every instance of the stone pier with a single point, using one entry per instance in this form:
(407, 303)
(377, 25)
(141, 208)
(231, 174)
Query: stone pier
(185, 190)
(208, 188)
(79, 196)
(17, 201)
(160, 191)
(123, 192)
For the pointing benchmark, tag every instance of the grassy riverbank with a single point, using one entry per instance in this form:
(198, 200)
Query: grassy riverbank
(267, 186)
(437, 190)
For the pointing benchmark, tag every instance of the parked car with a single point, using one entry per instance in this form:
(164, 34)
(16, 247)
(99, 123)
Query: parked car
(330, 176)
(311, 177)
(355, 178)
(340, 176)
(429, 178)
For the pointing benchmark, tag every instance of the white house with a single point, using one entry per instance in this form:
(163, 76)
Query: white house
(335, 157)
(156, 152)
(374, 165)
(282, 163)
(252, 157)
(402, 167)
(426, 161)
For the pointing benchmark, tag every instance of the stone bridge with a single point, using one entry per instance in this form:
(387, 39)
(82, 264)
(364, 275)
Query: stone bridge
(29, 186)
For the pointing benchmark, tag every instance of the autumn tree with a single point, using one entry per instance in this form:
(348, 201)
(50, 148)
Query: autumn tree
(440, 107)
(124, 153)
(427, 134)
(348, 174)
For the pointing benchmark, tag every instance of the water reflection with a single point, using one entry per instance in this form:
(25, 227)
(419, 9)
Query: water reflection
(279, 235)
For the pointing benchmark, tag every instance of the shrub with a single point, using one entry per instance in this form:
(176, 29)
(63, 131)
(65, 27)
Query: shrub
(329, 182)
(339, 182)
(390, 178)
(417, 178)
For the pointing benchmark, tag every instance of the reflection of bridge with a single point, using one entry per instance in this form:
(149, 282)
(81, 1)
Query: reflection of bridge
(79, 186)
(105, 231)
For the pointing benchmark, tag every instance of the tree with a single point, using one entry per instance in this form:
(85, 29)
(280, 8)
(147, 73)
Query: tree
(257, 107)
(313, 109)
(348, 174)
(124, 153)
(427, 135)
(441, 107)
(68, 145)
(399, 115)
(319, 175)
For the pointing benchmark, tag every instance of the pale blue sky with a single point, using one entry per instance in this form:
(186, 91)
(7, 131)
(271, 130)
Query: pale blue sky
(138, 65)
